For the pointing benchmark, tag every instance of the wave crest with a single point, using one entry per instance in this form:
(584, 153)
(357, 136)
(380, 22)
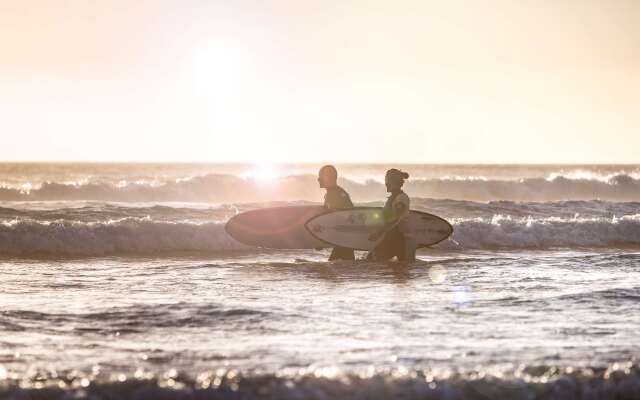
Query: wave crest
(551, 232)
(144, 236)
(117, 237)
(234, 189)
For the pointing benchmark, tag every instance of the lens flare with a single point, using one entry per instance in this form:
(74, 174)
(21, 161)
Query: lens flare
(460, 296)
(437, 273)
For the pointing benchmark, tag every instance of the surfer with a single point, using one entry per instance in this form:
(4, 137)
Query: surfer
(336, 198)
(397, 242)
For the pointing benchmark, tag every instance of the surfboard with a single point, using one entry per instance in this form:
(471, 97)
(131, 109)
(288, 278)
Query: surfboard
(351, 228)
(276, 227)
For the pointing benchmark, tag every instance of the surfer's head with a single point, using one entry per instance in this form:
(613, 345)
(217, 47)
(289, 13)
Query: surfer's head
(394, 179)
(327, 176)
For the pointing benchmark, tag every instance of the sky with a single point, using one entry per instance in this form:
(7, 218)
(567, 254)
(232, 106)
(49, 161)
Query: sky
(477, 81)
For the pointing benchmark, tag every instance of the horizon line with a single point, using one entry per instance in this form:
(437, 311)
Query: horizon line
(466, 163)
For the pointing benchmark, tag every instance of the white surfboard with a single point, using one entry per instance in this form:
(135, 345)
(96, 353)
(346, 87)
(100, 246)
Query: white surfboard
(351, 228)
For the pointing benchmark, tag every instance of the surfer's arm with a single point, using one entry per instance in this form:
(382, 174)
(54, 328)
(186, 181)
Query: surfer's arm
(378, 233)
(400, 212)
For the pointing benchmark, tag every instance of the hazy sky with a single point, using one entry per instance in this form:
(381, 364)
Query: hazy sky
(537, 81)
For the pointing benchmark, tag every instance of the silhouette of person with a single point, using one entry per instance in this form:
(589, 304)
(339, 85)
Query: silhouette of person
(336, 198)
(397, 240)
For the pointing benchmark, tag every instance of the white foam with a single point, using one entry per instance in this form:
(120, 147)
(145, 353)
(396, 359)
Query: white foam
(23, 237)
(115, 237)
(235, 189)
(551, 232)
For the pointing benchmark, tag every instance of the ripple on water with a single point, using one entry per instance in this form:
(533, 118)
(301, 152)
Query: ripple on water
(618, 380)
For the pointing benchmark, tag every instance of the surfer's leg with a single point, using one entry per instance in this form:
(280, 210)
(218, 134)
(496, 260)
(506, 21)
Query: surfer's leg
(393, 245)
(409, 249)
(385, 250)
(399, 246)
(341, 253)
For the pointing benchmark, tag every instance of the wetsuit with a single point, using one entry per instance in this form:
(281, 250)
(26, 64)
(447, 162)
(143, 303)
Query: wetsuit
(337, 198)
(396, 241)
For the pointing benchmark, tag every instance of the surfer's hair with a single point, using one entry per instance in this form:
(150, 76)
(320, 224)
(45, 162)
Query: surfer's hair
(397, 175)
(330, 171)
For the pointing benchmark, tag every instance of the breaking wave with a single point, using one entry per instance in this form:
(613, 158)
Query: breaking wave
(234, 189)
(145, 236)
(542, 233)
(120, 237)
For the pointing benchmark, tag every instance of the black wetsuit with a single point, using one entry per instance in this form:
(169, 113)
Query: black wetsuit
(337, 198)
(393, 244)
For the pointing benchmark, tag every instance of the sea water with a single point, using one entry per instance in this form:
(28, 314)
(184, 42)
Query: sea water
(119, 281)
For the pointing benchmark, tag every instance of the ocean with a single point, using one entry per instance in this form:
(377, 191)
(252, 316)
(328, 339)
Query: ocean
(118, 281)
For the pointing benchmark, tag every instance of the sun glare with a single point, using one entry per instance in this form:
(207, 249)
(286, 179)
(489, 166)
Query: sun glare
(219, 71)
(263, 173)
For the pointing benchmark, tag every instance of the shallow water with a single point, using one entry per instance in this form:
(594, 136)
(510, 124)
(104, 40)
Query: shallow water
(153, 300)
(280, 313)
